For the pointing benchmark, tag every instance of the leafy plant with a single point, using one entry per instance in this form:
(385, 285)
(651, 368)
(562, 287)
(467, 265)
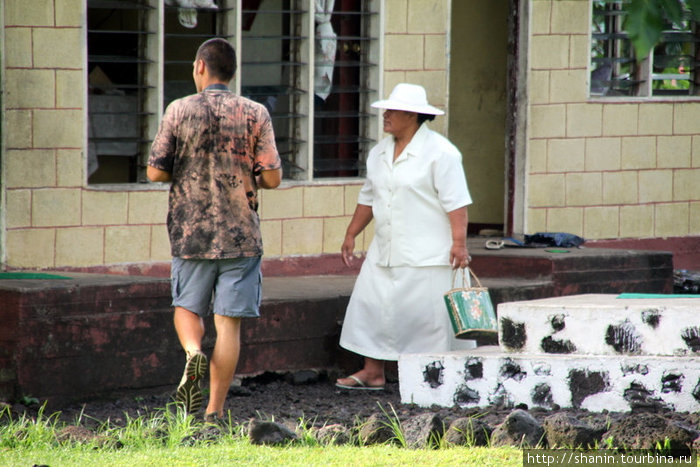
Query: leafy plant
(25, 431)
(665, 448)
(470, 434)
(647, 19)
(28, 401)
(394, 424)
(609, 442)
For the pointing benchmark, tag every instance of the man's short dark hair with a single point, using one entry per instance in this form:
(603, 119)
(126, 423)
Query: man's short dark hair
(220, 58)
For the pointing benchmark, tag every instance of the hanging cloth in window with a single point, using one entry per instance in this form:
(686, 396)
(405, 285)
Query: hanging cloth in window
(187, 13)
(326, 44)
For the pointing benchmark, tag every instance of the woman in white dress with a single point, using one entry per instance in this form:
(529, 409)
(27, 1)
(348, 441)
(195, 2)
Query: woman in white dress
(417, 194)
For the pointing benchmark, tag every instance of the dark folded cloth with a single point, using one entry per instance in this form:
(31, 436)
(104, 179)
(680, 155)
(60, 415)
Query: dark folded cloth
(546, 239)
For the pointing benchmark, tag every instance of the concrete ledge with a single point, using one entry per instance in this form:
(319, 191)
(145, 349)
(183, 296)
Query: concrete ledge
(598, 324)
(84, 336)
(299, 327)
(94, 335)
(580, 270)
(487, 376)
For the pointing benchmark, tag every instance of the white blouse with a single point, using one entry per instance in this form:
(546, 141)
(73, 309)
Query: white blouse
(410, 199)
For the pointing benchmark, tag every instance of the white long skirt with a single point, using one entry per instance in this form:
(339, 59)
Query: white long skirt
(399, 310)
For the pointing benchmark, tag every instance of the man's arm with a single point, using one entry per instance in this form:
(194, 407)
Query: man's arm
(157, 175)
(269, 178)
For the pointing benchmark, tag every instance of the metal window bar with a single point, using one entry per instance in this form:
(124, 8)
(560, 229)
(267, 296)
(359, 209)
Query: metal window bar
(117, 34)
(614, 70)
(152, 40)
(674, 61)
(277, 69)
(180, 44)
(272, 74)
(670, 70)
(342, 122)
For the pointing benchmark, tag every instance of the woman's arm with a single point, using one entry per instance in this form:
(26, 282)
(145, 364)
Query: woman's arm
(459, 255)
(362, 216)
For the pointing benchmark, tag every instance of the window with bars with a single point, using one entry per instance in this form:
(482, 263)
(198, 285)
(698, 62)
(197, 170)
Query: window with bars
(118, 34)
(313, 64)
(670, 69)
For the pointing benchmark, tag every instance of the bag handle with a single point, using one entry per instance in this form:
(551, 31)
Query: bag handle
(466, 279)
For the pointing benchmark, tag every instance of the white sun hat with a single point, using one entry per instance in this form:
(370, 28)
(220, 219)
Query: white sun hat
(410, 98)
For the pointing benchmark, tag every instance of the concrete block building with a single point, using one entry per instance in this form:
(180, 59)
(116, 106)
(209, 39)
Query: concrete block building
(561, 129)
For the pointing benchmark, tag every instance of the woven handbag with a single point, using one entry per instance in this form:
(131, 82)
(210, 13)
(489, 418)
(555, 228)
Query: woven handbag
(471, 310)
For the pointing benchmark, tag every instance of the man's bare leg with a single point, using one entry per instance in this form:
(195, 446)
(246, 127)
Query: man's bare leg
(190, 329)
(223, 362)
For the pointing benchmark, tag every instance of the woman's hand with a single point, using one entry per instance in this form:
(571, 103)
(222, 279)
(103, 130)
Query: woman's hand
(347, 250)
(459, 256)
(360, 218)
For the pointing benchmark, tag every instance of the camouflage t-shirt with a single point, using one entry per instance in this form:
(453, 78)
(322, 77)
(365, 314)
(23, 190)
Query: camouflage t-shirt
(213, 143)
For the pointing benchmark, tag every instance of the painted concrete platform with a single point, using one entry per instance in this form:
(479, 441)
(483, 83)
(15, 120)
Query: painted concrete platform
(620, 354)
(486, 376)
(601, 324)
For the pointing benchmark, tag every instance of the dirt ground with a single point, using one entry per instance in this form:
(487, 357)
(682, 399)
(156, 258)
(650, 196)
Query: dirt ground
(304, 396)
(313, 398)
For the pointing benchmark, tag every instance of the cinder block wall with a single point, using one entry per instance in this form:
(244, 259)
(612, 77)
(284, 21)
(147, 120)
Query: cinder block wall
(53, 219)
(308, 219)
(416, 49)
(602, 169)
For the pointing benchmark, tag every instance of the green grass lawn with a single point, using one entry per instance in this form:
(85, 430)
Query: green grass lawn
(240, 452)
(170, 438)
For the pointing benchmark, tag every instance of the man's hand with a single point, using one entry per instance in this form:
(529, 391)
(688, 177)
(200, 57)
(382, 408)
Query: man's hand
(269, 178)
(157, 175)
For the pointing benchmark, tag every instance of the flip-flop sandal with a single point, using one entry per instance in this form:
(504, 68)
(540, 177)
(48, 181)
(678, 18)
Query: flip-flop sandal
(361, 385)
(494, 244)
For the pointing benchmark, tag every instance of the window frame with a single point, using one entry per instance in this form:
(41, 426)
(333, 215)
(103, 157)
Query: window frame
(231, 24)
(646, 76)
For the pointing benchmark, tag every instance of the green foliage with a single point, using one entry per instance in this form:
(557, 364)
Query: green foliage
(25, 432)
(28, 401)
(647, 19)
(166, 427)
(609, 442)
(665, 448)
(394, 424)
(644, 24)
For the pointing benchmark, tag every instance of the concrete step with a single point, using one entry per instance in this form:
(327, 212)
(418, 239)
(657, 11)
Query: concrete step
(488, 376)
(578, 270)
(601, 324)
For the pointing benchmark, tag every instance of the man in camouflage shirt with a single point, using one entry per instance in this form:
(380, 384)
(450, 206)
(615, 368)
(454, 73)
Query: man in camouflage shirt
(216, 149)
